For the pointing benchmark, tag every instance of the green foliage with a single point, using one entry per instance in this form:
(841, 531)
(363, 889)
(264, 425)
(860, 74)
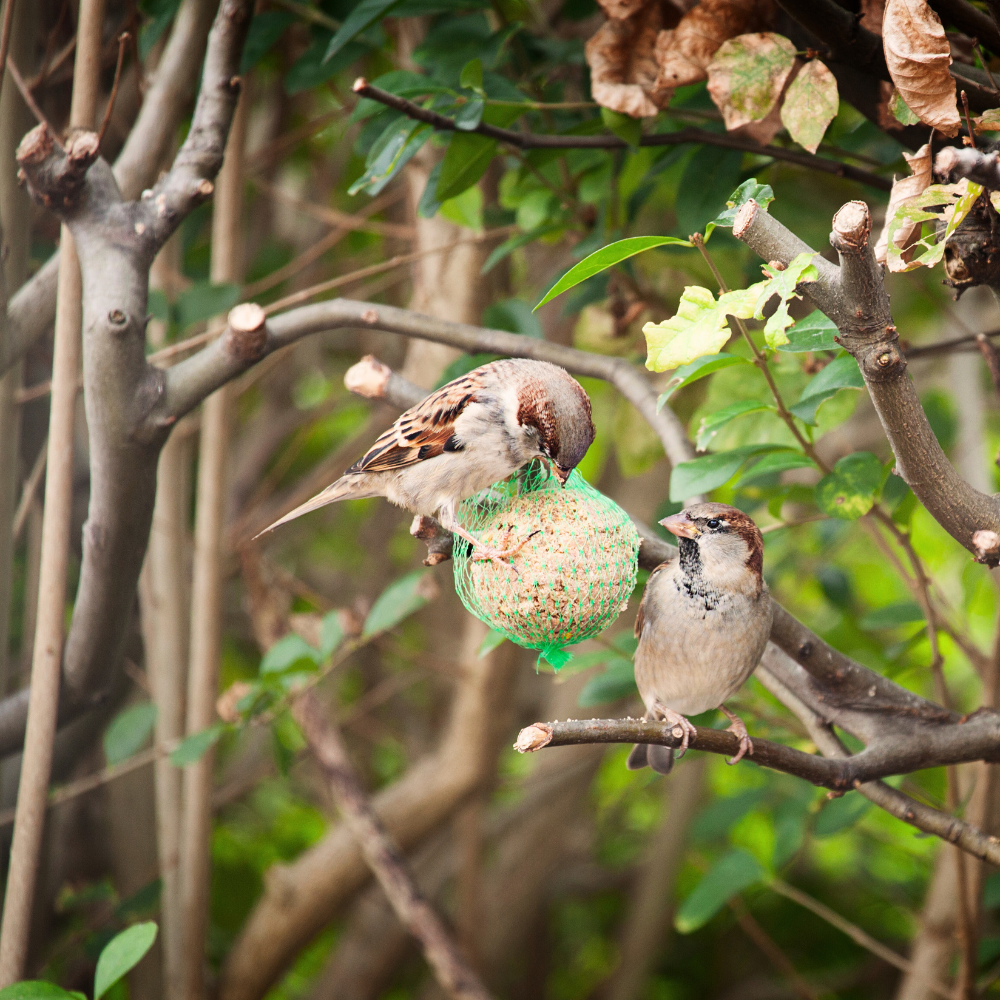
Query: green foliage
(128, 731)
(707, 364)
(749, 190)
(729, 876)
(191, 749)
(947, 204)
(121, 955)
(398, 601)
(607, 257)
(815, 332)
(624, 126)
(465, 161)
(841, 373)
(363, 16)
(713, 470)
(851, 489)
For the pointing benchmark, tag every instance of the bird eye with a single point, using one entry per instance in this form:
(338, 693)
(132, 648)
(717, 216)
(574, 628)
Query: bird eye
(714, 522)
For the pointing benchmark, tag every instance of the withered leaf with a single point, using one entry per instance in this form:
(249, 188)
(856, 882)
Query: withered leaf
(904, 188)
(918, 56)
(623, 70)
(810, 104)
(988, 121)
(684, 53)
(747, 75)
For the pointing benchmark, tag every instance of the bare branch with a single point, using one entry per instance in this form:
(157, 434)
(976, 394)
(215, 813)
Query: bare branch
(854, 297)
(454, 974)
(527, 140)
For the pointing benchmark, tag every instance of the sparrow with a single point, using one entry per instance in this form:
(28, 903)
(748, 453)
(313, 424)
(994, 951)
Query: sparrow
(467, 435)
(703, 623)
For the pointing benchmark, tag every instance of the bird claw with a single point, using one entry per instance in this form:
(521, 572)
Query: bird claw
(502, 553)
(676, 720)
(739, 729)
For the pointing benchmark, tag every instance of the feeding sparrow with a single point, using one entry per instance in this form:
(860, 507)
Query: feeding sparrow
(466, 436)
(703, 623)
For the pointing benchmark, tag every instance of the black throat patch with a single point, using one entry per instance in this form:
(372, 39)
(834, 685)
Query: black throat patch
(691, 581)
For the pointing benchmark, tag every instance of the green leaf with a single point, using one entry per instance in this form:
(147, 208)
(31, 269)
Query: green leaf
(471, 77)
(850, 490)
(617, 682)
(161, 12)
(204, 300)
(398, 601)
(699, 368)
(716, 819)
(624, 126)
(747, 74)
(393, 149)
(714, 422)
(128, 731)
(514, 316)
(601, 260)
(749, 190)
(902, 113)
(290, 651)
(516, 242)
(810, 104)
(122, 954)
(814, 332)
(470, 114)
(780, 461)
(838, 814)
(783, 284)
(491, 641)
(465, 161)
(363, 16)
(940, 203)
(728, 877)
(699, 327)
(265, 31)
(38, 989)
(892, 615)
(709, 177)
(310, 69)
(710, 471)
(191, 749)
(841, 373)
(331, 634)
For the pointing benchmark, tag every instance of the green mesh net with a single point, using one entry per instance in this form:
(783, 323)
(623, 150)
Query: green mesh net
(573, 578)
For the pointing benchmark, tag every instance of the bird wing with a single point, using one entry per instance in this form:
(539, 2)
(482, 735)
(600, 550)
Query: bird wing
(423, 431)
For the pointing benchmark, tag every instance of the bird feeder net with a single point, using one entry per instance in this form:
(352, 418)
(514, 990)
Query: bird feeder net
(572, 577)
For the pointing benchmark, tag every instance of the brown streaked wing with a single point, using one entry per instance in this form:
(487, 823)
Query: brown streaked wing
(422, 431)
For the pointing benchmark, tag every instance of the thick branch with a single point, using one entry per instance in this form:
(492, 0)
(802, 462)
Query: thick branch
(854, 297)
(900, 756)
(973, 22)
(32, 308)
(528, 140)
(454, 974)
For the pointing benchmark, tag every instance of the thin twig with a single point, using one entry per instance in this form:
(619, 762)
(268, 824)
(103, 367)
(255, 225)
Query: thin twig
(8, 20)
(968, 120)
(122, 42)
(989, 75)
(29, 99)
(527, 140)
(855, 933)
(28, 493)
(453, 973)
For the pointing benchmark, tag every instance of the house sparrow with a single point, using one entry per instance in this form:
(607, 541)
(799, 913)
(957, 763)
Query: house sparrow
(466, 436)
(703, 623)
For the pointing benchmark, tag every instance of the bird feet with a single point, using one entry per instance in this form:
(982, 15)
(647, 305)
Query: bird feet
(504, 552)
(740, 730)
(676, 720)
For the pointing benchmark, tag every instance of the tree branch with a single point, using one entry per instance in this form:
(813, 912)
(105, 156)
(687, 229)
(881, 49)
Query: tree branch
(452, 971)
(527, 140)
(854, 297)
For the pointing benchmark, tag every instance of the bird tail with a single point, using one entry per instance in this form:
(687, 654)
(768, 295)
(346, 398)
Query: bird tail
(346, 486)
(659, 758)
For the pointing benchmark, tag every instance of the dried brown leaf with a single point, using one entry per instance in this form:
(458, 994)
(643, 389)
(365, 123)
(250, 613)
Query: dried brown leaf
(623, 69)
(988, 121)
(747, 75)
(811, 103)
(918, 56)
(684, 53)
(903, 189)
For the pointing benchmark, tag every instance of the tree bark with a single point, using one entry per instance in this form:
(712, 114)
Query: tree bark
(47, 657)
(206, 590)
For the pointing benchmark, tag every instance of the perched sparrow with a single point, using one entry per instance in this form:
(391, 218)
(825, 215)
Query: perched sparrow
(468, 435)
(703, 624)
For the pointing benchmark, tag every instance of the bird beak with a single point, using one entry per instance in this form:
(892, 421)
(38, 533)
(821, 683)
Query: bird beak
(562, 474)
(680, 525)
